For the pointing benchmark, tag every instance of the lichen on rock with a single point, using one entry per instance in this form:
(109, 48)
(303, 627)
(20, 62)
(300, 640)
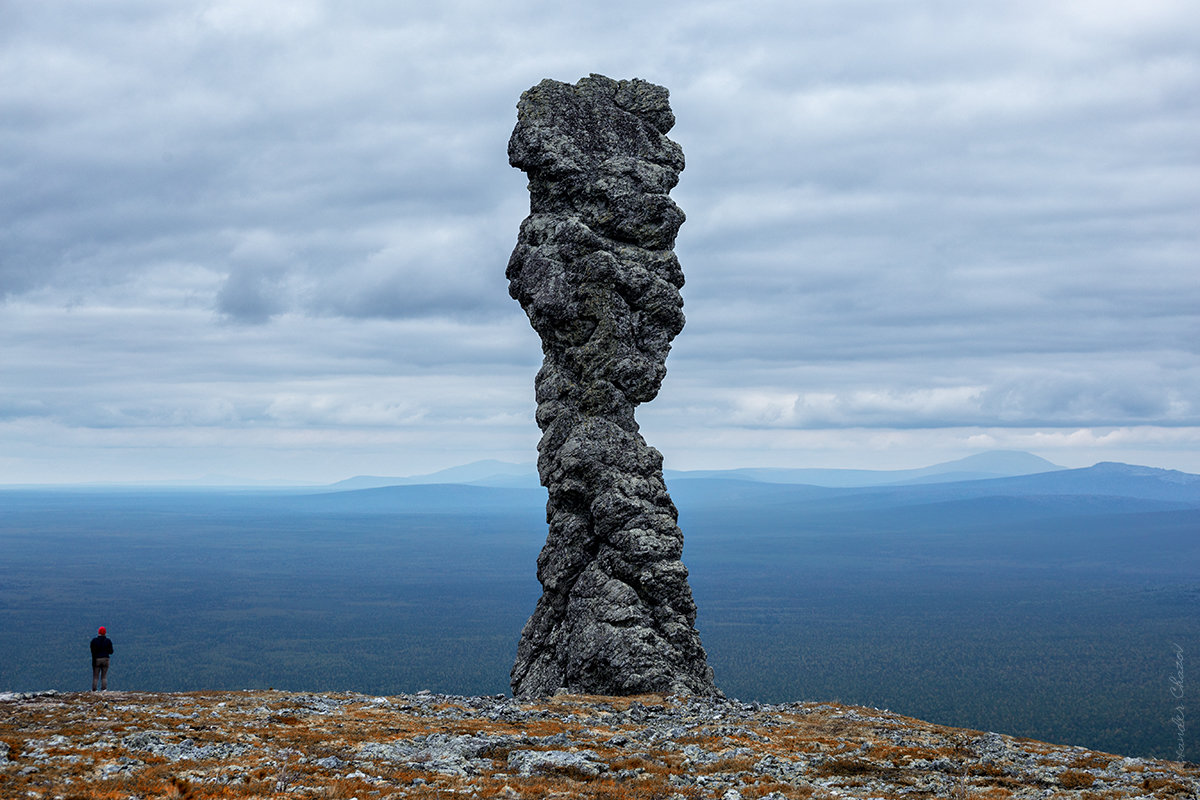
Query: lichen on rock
(256, 743)
(595, 271)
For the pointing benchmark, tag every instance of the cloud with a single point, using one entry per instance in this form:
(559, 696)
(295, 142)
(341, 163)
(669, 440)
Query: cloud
(220, 217)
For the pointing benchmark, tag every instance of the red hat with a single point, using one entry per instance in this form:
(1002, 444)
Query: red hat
(101, 630)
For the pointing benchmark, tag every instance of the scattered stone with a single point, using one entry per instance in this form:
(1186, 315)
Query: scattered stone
(532, 762)
(185, 750)
(595, 271)
(568, 746)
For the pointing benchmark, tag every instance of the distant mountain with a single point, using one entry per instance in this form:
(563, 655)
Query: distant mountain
(981, 466)
(1109, 478)
(503, 474)
(488, 472)
(1103, 488)
(1000, 473)
(425, 498)
(993, 464)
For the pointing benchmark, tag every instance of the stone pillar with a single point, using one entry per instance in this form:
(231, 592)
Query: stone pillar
(595, 271)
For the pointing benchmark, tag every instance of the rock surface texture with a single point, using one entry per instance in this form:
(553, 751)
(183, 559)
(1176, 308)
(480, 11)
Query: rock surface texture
(257, 744)
(595, 272)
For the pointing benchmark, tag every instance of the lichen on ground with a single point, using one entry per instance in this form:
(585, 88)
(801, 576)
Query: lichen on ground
(243, 744)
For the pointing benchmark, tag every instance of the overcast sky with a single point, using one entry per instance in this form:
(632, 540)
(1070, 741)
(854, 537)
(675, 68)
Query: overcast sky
(268, 239)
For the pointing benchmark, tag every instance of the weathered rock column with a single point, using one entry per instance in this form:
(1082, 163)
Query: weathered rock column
(595, 272)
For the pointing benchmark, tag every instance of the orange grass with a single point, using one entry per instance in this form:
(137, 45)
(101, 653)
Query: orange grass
(271, 722)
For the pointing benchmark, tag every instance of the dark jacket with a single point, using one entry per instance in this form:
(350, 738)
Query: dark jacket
(101, 647)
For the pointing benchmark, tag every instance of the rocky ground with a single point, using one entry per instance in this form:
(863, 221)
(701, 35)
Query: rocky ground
(340, 745)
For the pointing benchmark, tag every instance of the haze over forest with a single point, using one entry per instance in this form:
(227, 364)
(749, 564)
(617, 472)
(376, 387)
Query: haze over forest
(1048, 603)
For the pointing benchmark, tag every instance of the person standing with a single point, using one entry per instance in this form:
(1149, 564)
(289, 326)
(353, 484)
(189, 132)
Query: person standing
(101, 650)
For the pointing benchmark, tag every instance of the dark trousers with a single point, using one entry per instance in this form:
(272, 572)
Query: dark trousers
(99, 673)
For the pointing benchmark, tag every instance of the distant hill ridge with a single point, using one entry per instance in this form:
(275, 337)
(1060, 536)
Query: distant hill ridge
(488, 472)
(980, 466)
(1104, 488)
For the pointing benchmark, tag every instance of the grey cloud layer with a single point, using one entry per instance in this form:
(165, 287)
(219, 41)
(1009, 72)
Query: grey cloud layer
(900, 216)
